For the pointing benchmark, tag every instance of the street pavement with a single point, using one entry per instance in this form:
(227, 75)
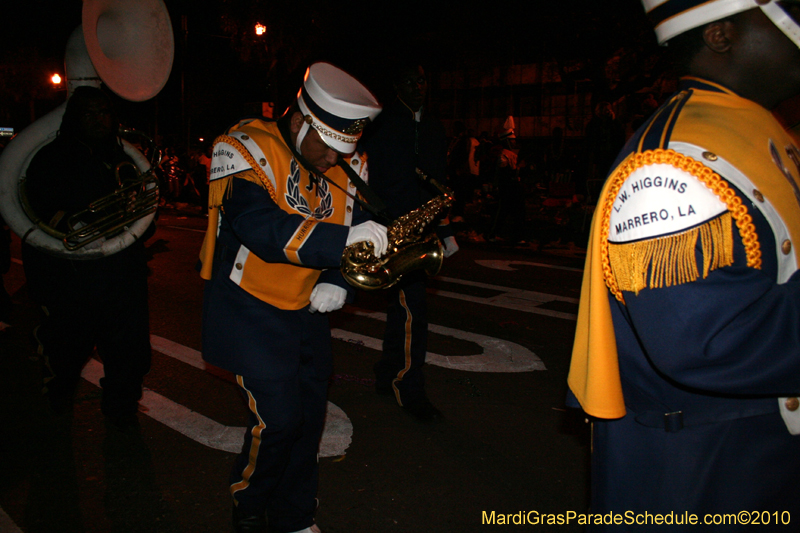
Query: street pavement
(502, 322)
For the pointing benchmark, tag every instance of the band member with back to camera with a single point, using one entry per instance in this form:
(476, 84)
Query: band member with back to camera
(687, 350)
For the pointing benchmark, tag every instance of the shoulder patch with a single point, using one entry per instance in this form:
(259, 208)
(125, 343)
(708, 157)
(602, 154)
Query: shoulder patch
(230, 157)
(226, 160)
(659, 206)
(658, 200)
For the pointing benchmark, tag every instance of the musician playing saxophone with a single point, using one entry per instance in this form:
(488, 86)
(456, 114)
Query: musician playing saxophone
(89, 303)
(401, 141)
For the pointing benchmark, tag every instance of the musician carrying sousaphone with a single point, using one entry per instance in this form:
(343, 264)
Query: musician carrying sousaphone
(100, 302)
(82, 200)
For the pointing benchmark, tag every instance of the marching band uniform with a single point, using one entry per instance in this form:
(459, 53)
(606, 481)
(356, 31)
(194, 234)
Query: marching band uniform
(311, 220)
(400, 142)
(275, 233)
(688, 324)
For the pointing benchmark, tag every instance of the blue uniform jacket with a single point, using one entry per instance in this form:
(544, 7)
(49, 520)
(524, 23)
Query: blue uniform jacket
(702, 361)
(244, 334)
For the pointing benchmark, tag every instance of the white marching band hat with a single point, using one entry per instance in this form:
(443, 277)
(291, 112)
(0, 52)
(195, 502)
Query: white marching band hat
(335, 104)
(673, 17)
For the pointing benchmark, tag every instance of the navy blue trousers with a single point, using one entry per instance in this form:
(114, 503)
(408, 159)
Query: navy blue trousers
(277, 471)
(746, 464)
(405, 341)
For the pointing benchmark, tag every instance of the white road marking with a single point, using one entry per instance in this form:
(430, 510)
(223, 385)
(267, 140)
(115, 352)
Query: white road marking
(336, 437)
(498, 355)
(6, 524)
(510, 298)
(178, 351)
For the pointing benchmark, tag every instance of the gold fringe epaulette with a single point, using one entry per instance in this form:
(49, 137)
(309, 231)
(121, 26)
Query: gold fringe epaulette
(222, 188)
(671, 260)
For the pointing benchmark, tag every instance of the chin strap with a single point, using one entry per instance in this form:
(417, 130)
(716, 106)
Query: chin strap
(782, 20)
(301, 135)
(370, 201)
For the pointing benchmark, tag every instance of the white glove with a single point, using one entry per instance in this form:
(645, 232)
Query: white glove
(450, 246)
(327, 297)
(372, 232)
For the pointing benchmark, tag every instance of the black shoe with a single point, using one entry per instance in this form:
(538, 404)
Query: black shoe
(248, 524)
(423, 410)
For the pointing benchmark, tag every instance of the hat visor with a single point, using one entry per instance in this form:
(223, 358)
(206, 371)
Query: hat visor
(344, 148)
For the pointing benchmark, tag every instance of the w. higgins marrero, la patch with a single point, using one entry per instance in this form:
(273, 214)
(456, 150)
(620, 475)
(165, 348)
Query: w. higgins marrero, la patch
(660, 203)
(659, 200)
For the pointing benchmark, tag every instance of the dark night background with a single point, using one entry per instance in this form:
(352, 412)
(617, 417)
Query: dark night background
(226, 69)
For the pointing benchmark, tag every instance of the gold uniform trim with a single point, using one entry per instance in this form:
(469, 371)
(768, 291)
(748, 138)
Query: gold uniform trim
(299, 238)
(255, 443)
(670, 260)
(218, 189)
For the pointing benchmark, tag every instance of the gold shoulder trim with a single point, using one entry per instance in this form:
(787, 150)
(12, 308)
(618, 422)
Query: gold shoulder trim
(219, 189)
(670, 260)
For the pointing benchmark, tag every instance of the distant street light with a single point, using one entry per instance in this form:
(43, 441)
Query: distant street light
(260, 29)
(56, 79)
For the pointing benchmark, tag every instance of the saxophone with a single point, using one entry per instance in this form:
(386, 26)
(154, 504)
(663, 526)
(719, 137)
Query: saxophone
(413, 245)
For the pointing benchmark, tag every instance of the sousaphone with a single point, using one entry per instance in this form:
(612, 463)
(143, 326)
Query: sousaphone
(129, 46)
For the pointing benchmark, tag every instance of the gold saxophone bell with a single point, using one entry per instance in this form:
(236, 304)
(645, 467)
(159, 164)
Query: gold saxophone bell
(109, 215)
(412, 246)
(364, 271)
